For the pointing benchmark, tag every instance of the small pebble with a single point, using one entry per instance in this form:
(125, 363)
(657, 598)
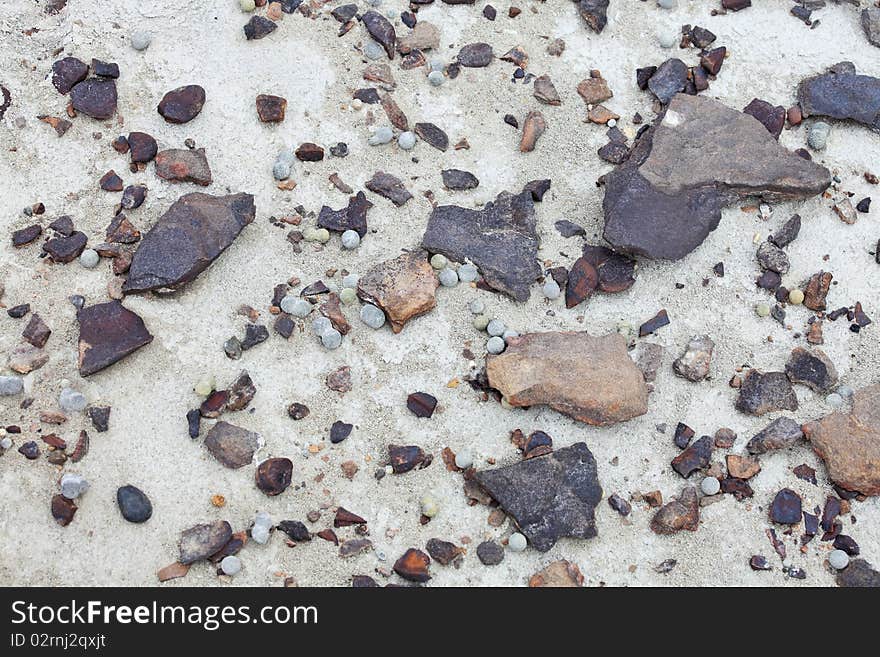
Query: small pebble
(348, 296)
(508, 334)
(372, 316)
(818, 135)
(6, 443)
(331, 339)
(551, 289)
(846, 392)
(320, 325)
(134, 504)
(283, 165)
(796, 297)
(436, 65)
(495, 345)
(72, 401)
(667, 39)
(762, 309)
(448, 277)
(481, 322)
(430, 507)
(464, 459)
(322, 235)
(666, 4)
(350, 281)
(10, 385)
(141, 40)
(262, 525)
(477, 307)
(496, 327)
(710, 486)
(357, 104)
(89, 259)
(517, 542)
(436, 78)
(468, 273)
(382, 136)
(351, 239)
(296, 306)
(373, 50)
(247, 5)
(407, 140)
(205, 386)
(490, 553)
(838, 559)
(439, 261)
(73, 485)
(231, 565)
(834, 400)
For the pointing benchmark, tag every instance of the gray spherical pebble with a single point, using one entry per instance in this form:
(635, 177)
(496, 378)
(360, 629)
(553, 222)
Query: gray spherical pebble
(666, 4)
(262, 525)
(436, 78)
(481, 322)
(846, 392)
(134, 504)
(551, 289)
(382, 136)
(439, 261)
(351, 239)
(6, 443)
(331, 339)
(517, 542)
(72, 401)
(283, 165)
(468, 272)
(496, 327)
(464, 459)
(490, 553)
(89, 259)
(436, 65)
(351, 280)
(141, 40)
(495, 345)
(231, 565)
(407, 140)
(710, 486)
(10, 385)
(348, 296)
(372, 316)
(373, 50)
(838, 559)
(818, 135)
(320, 325)
(667, 39)
(448, 277)
(834, 400)
(477, 307)
(296, 306)
(73, 485)
(508, 334)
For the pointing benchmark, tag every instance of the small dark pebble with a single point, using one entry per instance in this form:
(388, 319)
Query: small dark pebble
(847, 544)
(254, 334)
(100, 417)
(758, 562)
(274, 475)
(864, 205)
(683, 435)
(258, 27)
(659, 320)
(421, 404)
(134, 504)
(786, 507)
(510, 120)
(490, 553)
(30, 450)
(339, 150)
(19, 311)
(26, 235)
(296, 530)
(297, 411)
(193, 421)
(105, 69)
(619, 504)
(339, 431)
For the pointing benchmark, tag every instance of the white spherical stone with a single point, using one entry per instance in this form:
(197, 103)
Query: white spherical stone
(351, 239)
(517, 542)
(496, 327)
(477, 306)
(320, 325)
(468, 272)
(436, 78)
(838, 559)
(667, 39)
(464, 459)
(231, 565)
(372, 316)
(373, 50)
(495, 345)
(296, 306)
(407, 140)
(141, 40)
(439, 261)
(89, 259)
(73, 485)
(710, 486)
(331, 339)
(551, 289)
(448, 277)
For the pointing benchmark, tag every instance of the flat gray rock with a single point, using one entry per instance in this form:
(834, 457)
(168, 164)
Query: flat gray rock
(842, 94)
(201, 541)
(233, 446)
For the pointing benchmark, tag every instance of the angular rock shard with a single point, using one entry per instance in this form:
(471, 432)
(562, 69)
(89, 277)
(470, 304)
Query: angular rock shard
(193, 233)
(183, 104)
(591, 379)
(781, 433)
(842, 94)
(403, 287)
(391, 187)
(594, 13)
(698, 157)
(351, 217)
(765, 392)
(812, 368)
(201, 541)
(549, 497)
(849, 443)
(95, 98)
(381, 30)
(233, 446)
(108, 332)
(681, 513)
(184, 165)
(500, 240)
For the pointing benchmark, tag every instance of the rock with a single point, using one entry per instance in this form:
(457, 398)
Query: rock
(694, 364)
(811, 368)
(95, 98)
(458, 180)
(273, 475)
(421, 404)
(517, 56)
(594, 90)
(67, 248)
(100, 417)
(63, 510)
(849, 443)
(201, 541)
(648, 357)
(404, 458)
(619, 504)
(549, 497)
(134, 504)
(538, 368)
(500, 239)
(772, 258)
(658, 321)
(772, 118)
(742, 467)
(258, 27)
(545, 91)
(569, 228)
(184, 165)
(669, 79)
(841, 94)
(36, 332)
(490, 553)
(787, 233)
(351, 217)
(339, 431)
(846, 212)
(681, 513)
(583, 280)
(594, 13)
(185, 240)
(388, 186)
(309, 152)
(534, 126)
(381, 30)
(26, 358)
(816, 290)
(68, 72)
(443, 552)
(696, 457)
(424, 36)
(339, 380)
(783, 432)
(786, 507)
(432, 134)
(413, 566)
(183, 104)
(661, 204)
(27, 235)
(859, 573)
(765, 392)
(133, 197)
(403, 287)
(475, 55)
(108, 332)
(561, 573)
(296, 530)
(233, 446)
(271, 109)
(870, 24)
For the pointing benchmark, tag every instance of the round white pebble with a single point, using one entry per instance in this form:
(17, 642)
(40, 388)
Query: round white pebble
(834, 400)
(509, 333)
(464, 459)
(72, 401)
(89, 259)
(407, 140)
(372, 316)
(382, 136)
(496, 327)
(667, 39)
(468, 272)
(247, 5)
(141, 40)
(430, 507)
(838, 559)
(517, 542)
(348, 296)
(331, 339)
(477, 306)
(320, 325)
(6, 443)
(231, 565)
(260, 533)
(351, 239)
(551, 289)
(295, 306)
(495, 345)
(710, 486)
(448, 277)
(373, 50)
(73, 485)
(436, 78)
(351, 280)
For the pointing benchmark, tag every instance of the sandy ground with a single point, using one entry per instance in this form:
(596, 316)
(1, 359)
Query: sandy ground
(304, 61)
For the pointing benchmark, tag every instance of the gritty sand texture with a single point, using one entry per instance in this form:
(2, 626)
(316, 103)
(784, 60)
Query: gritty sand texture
(304, 61)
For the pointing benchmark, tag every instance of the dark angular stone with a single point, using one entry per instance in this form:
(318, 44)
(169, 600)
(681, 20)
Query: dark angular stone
(296, 530)
(764, 392)
(404, 458)
(594, 13)
(583, 280)
(475, 55)
(68, 72)
(143, 147)
(133, 197)
(254, 334)
(297, 411)
(669, 79)
(681, 513)
(344, 13)
(643, 76)
(193, 233)
(421, 404)
(443, 552)
(431, 134)
(105, 69)
(812, 368)
(569, 228)
(108, 332)
(787, 233)
(273, 475)
(351, 217)
(537, 188)
(841, 94)
(772, 118)
(65, 249)
(490, 553)
(201, 541)
(859, 573)
(783, 432)
(458, 180)
(309, 152)
(63, 510)
(111, 182)
(413, 566)
(683, 435)
(233, 446)
(786, 507)
(339, 431)
(696, 457)
(345, 518)
(712, 60)
(258, 27)
(370, 96)
(95, 98)
(17, 312)
(284, 325)
(134, 504)
(550, 496)
(25, 236)
(271, 109)
(36, 332)
(659, 320)
(388, 186)
(184, 165)
(619, 504)
(381, 30)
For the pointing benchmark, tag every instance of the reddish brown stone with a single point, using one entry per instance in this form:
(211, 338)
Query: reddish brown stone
(107, 333)
(742, 467)
(816, 290)
(110, 182)
(583, 279)
(332, 310)
(273, 475)
(413, 566)
(561, 573)
(95, 98)
(682, 513)
(309, 152)
(36, 332)
(403, 288)
(143, 147)
(183, 104)
(421, 404)
(63, 510)
(404, 458)
(271, 109)
(184, 165)
(345, 518)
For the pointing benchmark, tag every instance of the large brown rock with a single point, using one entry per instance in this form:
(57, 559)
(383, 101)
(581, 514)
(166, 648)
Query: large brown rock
(849, 443)
(107, 333)
(193, 233)
(233, 446)
(184, 165)
(403, 287)
(591, 379)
